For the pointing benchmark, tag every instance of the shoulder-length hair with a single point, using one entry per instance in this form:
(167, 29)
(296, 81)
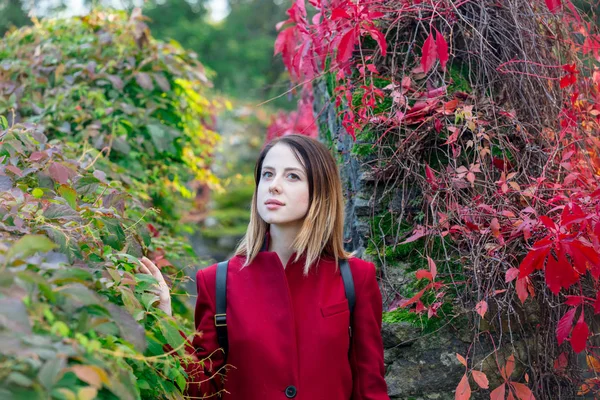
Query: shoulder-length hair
(322, 231)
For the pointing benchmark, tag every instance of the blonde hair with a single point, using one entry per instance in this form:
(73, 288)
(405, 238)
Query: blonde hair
(322, 231)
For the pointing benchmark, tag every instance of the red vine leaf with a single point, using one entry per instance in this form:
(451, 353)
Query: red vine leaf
(580, 335)
(346, 46)
(481, 308)
(553, 5)
(432, 267)
(559, 273)
(511, 274)
(422, 273)
(481, 379)
(498, 393)
(461, 359)
(463, 390)
(429, 53)
(509, 367)
(442, 49)
(522, 391)
(564, 325)
(522, 289)
(380, 39)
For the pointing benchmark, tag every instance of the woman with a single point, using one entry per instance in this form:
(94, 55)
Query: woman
(287, 312)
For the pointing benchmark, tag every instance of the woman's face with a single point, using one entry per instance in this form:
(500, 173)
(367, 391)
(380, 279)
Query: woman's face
(283, 180)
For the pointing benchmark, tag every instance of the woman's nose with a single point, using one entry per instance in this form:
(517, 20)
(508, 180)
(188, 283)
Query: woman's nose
(275, 187)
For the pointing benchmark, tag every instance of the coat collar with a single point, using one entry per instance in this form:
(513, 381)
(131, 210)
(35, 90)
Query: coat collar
(265, 250)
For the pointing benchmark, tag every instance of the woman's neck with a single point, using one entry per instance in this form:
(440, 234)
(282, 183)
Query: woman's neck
(281, 239)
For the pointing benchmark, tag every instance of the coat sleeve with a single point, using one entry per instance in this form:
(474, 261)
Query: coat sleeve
(206, 365)
(366, 356)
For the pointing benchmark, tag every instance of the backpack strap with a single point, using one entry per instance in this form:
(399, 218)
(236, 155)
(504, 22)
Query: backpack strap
(349, 289)
(221, 301)
(221, 307)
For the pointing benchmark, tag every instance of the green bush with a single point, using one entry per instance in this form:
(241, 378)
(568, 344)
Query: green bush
(100, 119)
(102, 84)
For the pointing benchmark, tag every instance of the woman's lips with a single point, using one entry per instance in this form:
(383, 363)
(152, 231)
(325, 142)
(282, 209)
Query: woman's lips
(273, 206)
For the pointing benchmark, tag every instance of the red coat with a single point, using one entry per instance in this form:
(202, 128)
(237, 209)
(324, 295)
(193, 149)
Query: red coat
(288, 334)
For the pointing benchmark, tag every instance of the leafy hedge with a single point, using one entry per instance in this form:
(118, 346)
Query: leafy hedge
(103, 84)
(76, 320)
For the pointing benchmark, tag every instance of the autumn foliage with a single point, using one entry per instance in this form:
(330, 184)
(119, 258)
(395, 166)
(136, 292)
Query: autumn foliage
(493, 115)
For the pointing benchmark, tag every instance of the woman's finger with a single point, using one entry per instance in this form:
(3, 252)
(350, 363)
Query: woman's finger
(155, 272)
(143, 269)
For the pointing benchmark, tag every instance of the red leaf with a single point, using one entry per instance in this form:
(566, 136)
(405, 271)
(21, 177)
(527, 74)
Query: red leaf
(432, 267)
(428, 54)
(574, 300)
(380, 39)
(495, 228)
(559, 273)
(481, 308)
(523, 392)
(498, 393)
(413, 299)
(584, 257)
(37, 155)
(533, 260)
(422, 273)
(338, 13)
(430, 176)
(418, 233)
(442, 49)
(461, 359)
(480, 379)
(579, 335)
(463, 390)
(59, 173)
(521, 287)
(511, 274)
(420, 307)
(509, 367)
(564, 325)
(553, 5)
(561, 362)
(346, 46)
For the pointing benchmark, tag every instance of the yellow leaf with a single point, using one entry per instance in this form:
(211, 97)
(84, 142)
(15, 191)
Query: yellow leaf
(88, 393)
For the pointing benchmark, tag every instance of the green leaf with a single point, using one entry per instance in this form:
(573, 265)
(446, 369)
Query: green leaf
(20, 379)
(29, 245)
(13, 315)
(163, 137)
(51, 371)
(113, 233)
(148, 299)
(131, 331)
(69, 194)
(61, 211)
(79, 294)
(37, 193)
(87, 185)
(172, 335)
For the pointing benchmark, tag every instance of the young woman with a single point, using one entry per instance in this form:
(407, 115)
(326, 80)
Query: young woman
(287, 311)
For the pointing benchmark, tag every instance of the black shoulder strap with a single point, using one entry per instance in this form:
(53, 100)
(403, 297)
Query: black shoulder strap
(221, 307)
(221, 300)
(348, 284)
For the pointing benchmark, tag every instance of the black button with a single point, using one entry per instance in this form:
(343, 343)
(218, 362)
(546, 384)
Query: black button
(290, 392)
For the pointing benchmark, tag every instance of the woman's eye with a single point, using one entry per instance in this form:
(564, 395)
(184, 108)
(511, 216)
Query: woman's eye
(265, 173)
(294, 176)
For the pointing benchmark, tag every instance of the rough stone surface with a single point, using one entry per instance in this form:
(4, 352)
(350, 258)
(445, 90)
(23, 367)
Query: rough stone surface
(418, 366)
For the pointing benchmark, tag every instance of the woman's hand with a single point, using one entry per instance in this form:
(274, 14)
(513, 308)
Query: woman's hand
(162, 291)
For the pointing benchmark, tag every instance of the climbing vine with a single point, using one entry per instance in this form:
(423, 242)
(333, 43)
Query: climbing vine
(488, 112)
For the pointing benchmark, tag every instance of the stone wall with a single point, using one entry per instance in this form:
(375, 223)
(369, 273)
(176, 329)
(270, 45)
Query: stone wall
(418, 365)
